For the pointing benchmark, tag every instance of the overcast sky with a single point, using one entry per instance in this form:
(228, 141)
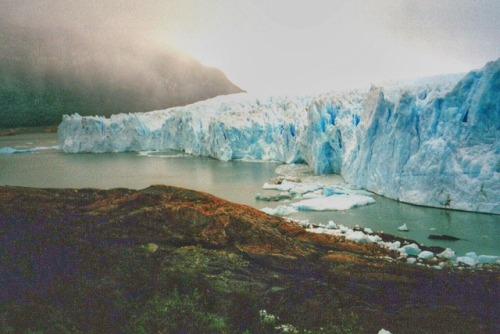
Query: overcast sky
(291, 46)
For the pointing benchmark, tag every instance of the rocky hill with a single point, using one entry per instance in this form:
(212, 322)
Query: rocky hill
(48, 72)
(170, 260)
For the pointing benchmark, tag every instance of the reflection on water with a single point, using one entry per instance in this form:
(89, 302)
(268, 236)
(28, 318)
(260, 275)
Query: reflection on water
(236, 181)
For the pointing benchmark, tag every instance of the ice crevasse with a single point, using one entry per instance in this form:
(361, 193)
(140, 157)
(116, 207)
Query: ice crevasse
(428, 143)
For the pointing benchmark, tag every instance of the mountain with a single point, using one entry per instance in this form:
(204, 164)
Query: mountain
(47, 72)
(433, 144)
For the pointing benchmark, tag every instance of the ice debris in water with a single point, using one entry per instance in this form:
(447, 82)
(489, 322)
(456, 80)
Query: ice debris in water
(314, 197)
(334, 202)
(282, 210)
(487, 259)
(429, 143)
(472, 259)
(411, 252)
(11, 150)
(466, 260)
(403, 228)
(331, 225)
(426, 255)
(411, 249)
(348, 233)
(447, 254)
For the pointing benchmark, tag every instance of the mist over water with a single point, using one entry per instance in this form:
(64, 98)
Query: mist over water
(47, 72)
(235, 181)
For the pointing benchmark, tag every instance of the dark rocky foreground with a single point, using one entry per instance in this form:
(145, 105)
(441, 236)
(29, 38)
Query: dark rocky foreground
(170, 260)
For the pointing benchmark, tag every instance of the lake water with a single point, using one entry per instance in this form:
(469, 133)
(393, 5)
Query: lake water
(236, 181)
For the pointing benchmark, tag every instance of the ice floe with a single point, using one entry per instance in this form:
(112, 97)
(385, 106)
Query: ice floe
(280, 211)
(12, 150)
(313, 196)
(333, 202)
(403, 228)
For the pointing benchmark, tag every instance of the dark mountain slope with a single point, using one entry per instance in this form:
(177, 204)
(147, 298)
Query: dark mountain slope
(46, 73)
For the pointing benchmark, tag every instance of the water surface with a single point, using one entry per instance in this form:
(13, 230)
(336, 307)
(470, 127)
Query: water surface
(236, 181)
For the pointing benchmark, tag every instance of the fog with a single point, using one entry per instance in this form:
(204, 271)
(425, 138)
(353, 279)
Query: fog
(290, 45)
(46, 72)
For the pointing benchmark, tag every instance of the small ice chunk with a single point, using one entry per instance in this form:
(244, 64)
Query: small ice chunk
(487, 259)
(466, 260)
(411, 249)
(301, 222)
(282, 210)
(331, 225)
(344, 229)
(391, 245)
(368, 230)
(403, 228)
(426, 255)
(358, 236)
(472, 255)
(411, 260)
(319, 230)
(448, 253)
(383, 331)
(332, 203)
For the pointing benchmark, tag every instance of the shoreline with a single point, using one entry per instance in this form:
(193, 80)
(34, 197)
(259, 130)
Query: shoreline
(28, 130)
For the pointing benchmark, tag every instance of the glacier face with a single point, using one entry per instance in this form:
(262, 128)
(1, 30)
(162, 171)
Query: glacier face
(434, 149)
(427, 144)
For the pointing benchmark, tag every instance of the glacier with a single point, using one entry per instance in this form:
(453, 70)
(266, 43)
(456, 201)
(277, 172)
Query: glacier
(433, 143)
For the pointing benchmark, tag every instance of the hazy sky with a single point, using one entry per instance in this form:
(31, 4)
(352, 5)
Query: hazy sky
(293, 46)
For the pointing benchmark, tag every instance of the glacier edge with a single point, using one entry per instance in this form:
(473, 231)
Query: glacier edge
(428, 144)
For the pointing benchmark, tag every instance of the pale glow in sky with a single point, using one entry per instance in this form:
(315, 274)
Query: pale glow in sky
(292, 46)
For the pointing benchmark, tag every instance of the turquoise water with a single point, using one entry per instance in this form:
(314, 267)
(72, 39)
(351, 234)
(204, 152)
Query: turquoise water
(236, 181)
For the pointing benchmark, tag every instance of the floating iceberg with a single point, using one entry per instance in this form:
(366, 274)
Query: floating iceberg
(484, 259)
(466, 260)
(426, 255)
(358, 236)
(447, 254)
(281, 211)
(315, 197)
(331, 225)
(333, 203)
(403, 228)
(411, 249)
(411, 252)
(11, 150)
(348, 233)
(428, 144)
